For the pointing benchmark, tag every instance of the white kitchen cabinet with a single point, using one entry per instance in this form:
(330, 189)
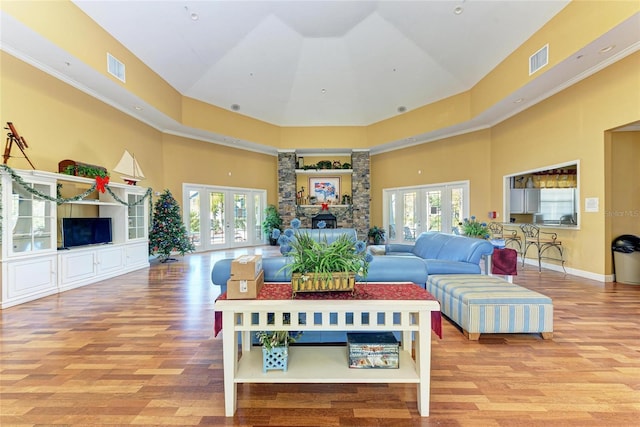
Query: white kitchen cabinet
(524, 200)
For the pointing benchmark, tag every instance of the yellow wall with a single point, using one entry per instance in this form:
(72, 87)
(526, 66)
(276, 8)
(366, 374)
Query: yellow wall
(67, 26)
(60, 122)
(190, 161)
(460, 158)
(571, 126)
(623, 211)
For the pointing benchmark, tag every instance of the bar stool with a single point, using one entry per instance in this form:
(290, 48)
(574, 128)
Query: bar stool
(542, 243)
(509, 236)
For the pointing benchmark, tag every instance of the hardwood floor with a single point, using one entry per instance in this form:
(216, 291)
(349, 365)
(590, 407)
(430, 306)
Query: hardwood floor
(139, 350)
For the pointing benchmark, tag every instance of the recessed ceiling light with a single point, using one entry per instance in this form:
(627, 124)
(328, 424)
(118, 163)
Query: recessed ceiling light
(194, 16)
(607, 49)
(323, 91)
(138, 108)
(402, 109)
(458, 10)
(518, 101)
(235, 107)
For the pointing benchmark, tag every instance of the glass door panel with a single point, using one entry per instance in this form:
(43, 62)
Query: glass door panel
(194, 218)
(433, 208)
(216, 218)
(222, 218)
(240, 218)
(410, 219)
(408, 212)
(456, 207)
(391, 229)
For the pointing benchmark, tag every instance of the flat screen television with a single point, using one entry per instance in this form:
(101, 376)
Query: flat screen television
(85, 231)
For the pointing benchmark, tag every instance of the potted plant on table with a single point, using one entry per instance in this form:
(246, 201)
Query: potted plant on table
(376, 235)
(275, 348)
(318, 266)
(471, 227)
(272, 221)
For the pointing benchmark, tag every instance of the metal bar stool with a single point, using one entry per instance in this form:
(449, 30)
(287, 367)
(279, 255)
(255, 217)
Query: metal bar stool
(509, 236)
(532, 237)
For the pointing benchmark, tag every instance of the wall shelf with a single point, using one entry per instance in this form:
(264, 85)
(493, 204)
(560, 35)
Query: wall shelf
(324, 171)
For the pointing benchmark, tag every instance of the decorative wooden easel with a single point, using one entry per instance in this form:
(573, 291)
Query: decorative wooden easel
(13, 137)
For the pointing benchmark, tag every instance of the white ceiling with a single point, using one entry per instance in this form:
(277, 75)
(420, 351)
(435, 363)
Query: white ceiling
(319, 63)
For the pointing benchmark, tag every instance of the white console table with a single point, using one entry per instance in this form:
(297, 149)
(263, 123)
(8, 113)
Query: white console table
(329, 364)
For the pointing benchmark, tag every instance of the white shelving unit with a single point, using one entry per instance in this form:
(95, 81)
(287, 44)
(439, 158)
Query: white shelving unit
(326, 364)
(32, 265)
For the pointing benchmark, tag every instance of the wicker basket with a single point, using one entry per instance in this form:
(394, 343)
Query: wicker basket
(309, 282)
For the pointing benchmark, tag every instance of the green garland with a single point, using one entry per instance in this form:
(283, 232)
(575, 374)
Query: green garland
(61, 200)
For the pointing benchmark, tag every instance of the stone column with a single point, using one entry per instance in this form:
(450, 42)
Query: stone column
(361, 191)
(287, 186)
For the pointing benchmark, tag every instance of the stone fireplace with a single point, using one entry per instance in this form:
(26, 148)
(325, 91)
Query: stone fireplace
(330, 219)
(355, 215)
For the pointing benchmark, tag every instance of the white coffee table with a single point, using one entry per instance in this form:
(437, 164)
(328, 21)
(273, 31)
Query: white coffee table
(327, 364)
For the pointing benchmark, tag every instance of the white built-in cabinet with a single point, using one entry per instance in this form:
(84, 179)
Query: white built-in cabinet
(524, 200)
(32, 264)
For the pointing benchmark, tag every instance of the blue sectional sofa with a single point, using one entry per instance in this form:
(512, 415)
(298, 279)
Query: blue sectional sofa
(330, 234)
(445, 253)
(433, 253)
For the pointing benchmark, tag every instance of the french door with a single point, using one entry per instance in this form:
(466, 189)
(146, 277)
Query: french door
(221, 217)
(409, 211)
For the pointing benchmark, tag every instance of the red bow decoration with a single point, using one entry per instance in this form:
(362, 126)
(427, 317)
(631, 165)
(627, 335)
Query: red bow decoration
(101, 182)
(325, 207)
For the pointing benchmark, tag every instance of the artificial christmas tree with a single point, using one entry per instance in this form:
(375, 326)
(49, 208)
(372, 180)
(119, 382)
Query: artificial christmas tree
(168, 233)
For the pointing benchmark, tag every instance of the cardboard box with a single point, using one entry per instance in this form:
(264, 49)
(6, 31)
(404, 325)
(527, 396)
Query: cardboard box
(245, 289)
(378, 350)
(246, 267)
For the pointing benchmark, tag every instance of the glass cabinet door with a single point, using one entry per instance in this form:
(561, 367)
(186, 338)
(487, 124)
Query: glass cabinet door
(32, 218)
(135, 214)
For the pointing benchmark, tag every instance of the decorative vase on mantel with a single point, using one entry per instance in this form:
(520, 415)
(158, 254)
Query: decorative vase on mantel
(275, 358)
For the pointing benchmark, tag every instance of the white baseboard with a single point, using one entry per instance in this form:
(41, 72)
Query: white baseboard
(604, 278)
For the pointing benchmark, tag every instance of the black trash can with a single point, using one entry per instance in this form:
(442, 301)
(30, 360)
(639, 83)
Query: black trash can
(626, 259)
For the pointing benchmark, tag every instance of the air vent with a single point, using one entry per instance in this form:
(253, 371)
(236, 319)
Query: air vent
(539, 59)
(115, 67)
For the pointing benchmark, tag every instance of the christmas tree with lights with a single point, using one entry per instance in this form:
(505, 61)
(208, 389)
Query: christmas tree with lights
(168, 233)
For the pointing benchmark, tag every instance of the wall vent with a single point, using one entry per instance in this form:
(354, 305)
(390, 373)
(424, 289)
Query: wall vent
(539, 59)
(115, 68)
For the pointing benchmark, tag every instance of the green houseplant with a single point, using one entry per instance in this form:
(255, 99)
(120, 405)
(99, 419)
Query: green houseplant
(471, 227)
(376, 235)
(317, 265)
(272, 221)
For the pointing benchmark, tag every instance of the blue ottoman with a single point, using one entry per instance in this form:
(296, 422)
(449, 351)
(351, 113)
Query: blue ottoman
(486, 304)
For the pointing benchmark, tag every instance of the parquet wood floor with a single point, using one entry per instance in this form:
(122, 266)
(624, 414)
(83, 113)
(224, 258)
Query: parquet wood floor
(138, 350)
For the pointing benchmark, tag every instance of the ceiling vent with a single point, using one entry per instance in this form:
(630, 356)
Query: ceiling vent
(115, 67)
(539, 59)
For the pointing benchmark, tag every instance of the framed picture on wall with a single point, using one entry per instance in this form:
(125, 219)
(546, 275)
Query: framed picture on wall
(325, 189)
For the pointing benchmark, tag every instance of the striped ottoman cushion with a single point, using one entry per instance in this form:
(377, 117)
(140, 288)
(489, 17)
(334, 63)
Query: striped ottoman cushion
(486, 304)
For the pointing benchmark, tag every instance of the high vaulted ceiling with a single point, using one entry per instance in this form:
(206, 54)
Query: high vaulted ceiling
(318, 63)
